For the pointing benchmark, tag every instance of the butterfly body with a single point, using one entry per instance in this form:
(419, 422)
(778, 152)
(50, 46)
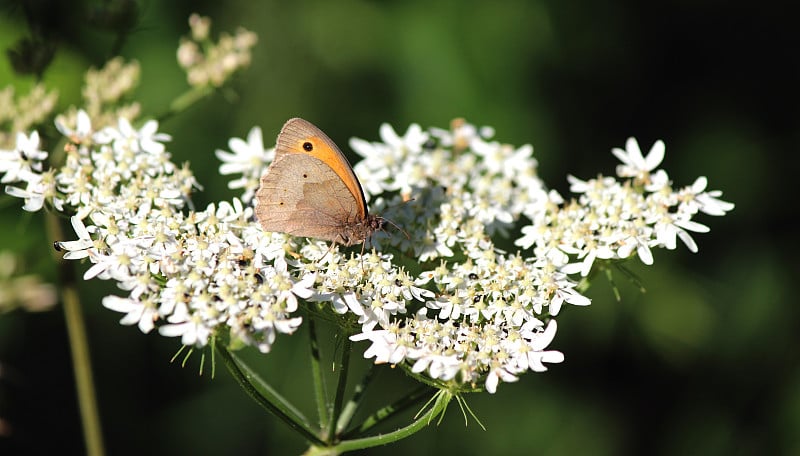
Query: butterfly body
(310, 190)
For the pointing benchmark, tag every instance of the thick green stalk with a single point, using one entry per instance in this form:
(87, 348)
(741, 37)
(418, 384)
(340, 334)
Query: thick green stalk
(79, 348)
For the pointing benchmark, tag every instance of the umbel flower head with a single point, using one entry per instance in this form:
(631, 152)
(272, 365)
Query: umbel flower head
(448, 302)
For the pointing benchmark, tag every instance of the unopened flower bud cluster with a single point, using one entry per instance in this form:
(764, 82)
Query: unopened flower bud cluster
(211, 64)
(106, 92)
(22, 113)
(27, 292)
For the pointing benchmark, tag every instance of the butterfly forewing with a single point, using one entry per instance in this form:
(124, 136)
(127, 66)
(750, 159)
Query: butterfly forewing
(300, 137)
(302, 196)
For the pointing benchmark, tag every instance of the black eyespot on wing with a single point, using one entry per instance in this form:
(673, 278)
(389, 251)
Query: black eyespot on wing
(308, 147)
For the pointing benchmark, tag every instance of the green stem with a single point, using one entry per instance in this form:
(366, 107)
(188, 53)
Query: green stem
(185, 100)
(316, 372)
(343, 367)
(79, 348)
(438, 407)
(635, 279)
(355, 402)
(267, 398)
(390, 410)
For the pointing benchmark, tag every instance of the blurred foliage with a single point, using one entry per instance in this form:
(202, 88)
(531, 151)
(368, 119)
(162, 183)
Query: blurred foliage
(704, 362)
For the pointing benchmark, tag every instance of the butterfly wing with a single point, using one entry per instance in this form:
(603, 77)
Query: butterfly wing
(302, 196)
(300, 137)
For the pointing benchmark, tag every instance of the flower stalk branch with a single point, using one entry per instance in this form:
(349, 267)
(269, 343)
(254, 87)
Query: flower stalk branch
(342, 369)
(355, 401)
(438, 406)
(390, 411)
(79, 348)
(266, 398)
(320, 390)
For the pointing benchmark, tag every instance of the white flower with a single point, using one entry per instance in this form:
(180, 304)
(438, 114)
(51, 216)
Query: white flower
(189, 326)
(34, 194)
(694, 198)
(638, 242)
(119, 263)
(80, 248)
(590, 253)
(536, 355)
(141, 313)
(411, 141)
(394, 153)
(461, 134)
(442, 367)
(83, 128)
(24, 161)
(373, 171)
(566, 293)
(384, 346)
(150, 140)
(245, 156)
(634, 164)
(494, 377)
(248, 158)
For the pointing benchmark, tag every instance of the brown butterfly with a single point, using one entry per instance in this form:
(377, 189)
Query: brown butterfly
(310, 190)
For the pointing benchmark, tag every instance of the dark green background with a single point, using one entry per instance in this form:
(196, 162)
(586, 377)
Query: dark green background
(706, 362)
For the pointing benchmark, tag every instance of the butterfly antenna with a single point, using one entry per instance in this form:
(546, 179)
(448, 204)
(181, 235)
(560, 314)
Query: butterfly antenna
(405, 233)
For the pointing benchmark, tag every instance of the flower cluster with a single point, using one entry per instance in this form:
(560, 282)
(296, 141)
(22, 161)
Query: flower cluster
(18, 114)
(488, 315)
(614, 220)
(447, 301)
(464, 311)
(211, 64)
(190, 274)
(105, 90)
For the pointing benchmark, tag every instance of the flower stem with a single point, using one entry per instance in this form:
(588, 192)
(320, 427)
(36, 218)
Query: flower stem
(343, 367)
(79, 348)
(355, 402)
(266, 397)
(390, 410)
(320, 393)
(438, 407)
(185, 100)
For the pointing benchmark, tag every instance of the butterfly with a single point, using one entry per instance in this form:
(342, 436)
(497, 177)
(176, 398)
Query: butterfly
(310, 190)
